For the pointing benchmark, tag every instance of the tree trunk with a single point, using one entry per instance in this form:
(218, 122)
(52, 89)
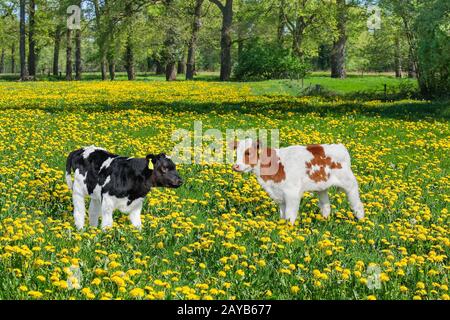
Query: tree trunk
(112, 69)
(181, 69)
(2, 61)
(23, 54)
(111, 57)
(411, 67)
(338, 53)
(56, 50)
(129, 59)
(103, 67)
(193, 42)
(100, 42)
(31, 40)
(281, 23)
(171, 71)
(129, 50)
(69, 67)
(297, 36)
(78, 62)
(398, 58)
(170, 48)
(225, 43)
(297, 42)
(414, 69)
(13, 58)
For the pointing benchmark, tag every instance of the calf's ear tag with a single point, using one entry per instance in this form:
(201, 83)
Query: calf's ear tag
(150, 165)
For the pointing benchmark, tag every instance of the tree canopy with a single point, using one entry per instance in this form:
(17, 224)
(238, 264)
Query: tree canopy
(177, 37)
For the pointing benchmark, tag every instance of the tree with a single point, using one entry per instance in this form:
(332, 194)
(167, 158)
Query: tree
(170, 54)
(251, 22)
(57, 48)
(9, 34)
(432, 30)
(31, 39)
(171, 20)
(69, 67)
(3, 38)
(281, 22)
(23, 54)
(13, 58)
(398, 56)
(78, 61)
(425, 25)
(2, 60)
(339, 45)
(101, 35)
(193, 41)
(129, 50)
(226, 41)
(302, 16)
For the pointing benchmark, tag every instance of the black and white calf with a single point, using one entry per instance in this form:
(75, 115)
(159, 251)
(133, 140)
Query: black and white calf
(115, 183)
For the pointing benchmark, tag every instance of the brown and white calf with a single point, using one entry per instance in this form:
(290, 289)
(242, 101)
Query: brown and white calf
(287, 173)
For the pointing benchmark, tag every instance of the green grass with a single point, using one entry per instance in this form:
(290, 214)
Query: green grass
(353, 83)
(339, 86)
(400, 154)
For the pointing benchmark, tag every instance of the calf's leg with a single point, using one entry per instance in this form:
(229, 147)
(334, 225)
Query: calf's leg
(135, 217)
(283, 210)
(79, 209)
(107, 213)
(351, 189)
(95, 209)
(324, 204)
(292, 206)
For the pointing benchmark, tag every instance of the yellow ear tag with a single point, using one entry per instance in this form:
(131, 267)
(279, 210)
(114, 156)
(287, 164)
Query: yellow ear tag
(150, 165)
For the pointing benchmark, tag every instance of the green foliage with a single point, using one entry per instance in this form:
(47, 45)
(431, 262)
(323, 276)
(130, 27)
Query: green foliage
(260, 61)
(433, 48)
(414, 36)
(425, 25)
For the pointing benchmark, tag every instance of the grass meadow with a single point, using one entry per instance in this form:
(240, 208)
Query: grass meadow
(220, 236)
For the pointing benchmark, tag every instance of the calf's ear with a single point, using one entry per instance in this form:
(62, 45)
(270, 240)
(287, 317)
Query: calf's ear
(233, 144)
(151, 157)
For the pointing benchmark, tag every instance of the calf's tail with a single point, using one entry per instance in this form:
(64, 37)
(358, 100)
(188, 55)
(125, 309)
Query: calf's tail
(69, 168)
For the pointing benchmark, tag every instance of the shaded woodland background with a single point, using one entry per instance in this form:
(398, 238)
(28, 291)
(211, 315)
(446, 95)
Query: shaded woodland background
(241, 39)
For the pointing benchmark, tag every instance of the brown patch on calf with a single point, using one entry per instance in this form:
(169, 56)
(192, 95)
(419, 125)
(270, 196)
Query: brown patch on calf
(232, 145)
(322, 161)
(271, 166)
(270, 163)
(251, 156)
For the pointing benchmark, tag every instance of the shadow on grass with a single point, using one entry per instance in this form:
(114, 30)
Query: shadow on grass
(120, 76)
(406, 110)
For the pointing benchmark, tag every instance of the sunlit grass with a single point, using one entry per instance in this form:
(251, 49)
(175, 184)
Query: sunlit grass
(220, 236)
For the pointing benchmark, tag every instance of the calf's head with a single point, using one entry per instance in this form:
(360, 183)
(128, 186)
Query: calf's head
(165, 173)
(246, 155)
(251, 155)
